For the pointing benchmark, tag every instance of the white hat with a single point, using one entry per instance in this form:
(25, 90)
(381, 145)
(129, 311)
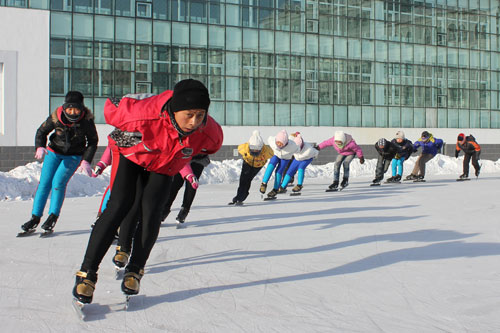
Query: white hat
(400, 135)
(255, 142)
(339, 136)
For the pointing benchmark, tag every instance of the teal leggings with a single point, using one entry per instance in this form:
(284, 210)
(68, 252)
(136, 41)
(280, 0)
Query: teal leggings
(57, 170)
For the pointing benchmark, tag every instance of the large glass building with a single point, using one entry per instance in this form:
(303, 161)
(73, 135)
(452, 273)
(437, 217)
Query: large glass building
(349, 63)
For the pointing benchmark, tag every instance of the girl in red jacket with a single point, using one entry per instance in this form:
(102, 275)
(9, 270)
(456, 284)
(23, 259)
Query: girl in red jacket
(156, 137)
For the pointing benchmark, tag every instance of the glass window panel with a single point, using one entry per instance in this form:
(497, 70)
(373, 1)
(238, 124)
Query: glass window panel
(297, 90)
(81, 80)
(250, 39)
(495, 119)
(123, 83)
(233, 15)
(407, 53)
(179, 10)
(312, 45)
(266, 41)
(463, 118)
(216, 87)
(325, 115)
(233, 39)
(441, 56)
(198, 35)
(340, 47)
(233, 88)
(354, 116)
(104, 28)
(180, 33)
(161, 32)
(311, 116)
(442, 118)
(283, 91)
(58, 81)
(394, 52)
(282, 115)
(143, 31)
(217, 112)
(485, 119)
(367, 49)
(266, 114)
(326, 46)
(60, 24)
(379, 95)
(430, 55)
(233, 63)
(368, 116)
(431, 118)
(160, 9)
(83, 26)
(125, 7)
(266, 91)
(198, 11)
(381, 51)
(250, 114)
(282, 41)
(125, 29)
(394, 117)
(39, 4)
(339, 115)
(453, 118)
(216, 37)
(298, 42)
(216, 13)
(354, 50)
(233, 114)
(474, 119)
(419, 118)
(381, 118)
(83, 6)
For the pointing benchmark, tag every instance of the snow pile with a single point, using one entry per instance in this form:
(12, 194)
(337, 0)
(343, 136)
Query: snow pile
(21, 182)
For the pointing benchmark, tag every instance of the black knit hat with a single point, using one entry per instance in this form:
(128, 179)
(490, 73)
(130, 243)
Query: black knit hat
(73, 99)
(189, 94)
(425, 134)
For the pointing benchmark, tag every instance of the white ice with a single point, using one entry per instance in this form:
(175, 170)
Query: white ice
(409, 257)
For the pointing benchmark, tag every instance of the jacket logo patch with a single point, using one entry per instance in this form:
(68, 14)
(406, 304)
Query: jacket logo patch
(187, 152)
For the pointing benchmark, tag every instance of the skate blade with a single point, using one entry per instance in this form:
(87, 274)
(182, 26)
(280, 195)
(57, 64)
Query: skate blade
(376, 184)
(462, 180)
(119, 273)
(78, 307)
(25, 233)
(46, 233)
(269, 198)
(180, 225)
(295, 194)
(331, 190)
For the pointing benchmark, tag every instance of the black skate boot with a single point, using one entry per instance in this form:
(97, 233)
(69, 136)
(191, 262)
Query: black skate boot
(345, 182)
(132, 280)
(334, 185)
(49, 224)
(84, 286)
(477, 172)
(390, 179)
(263, 188)
(397, 179)
(31, 225)
(272, 194)
(463, 176)
(411, 177)
(183, 213)
(376, 181)
(121, 257)
(281, 190)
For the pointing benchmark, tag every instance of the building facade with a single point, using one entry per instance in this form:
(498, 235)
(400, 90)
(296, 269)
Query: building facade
(310, 64)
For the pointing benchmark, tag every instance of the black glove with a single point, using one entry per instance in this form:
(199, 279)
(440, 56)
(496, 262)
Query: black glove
(361, 160)
(316, 147)
(456, 153)
(115, 100)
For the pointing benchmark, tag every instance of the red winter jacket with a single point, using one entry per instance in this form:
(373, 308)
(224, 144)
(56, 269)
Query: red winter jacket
(161, 150)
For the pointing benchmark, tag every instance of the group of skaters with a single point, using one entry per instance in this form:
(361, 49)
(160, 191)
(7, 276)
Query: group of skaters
(160, 144)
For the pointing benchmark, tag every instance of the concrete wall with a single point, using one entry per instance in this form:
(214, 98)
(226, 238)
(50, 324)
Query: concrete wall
(24, 53)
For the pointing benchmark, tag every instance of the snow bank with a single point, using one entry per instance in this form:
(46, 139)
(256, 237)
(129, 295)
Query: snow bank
(21, 182)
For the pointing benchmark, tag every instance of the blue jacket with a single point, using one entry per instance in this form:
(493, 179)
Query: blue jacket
(431, 146)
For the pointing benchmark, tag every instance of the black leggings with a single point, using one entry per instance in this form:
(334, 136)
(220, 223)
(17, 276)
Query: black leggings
(475, 162)
(248, 173)
(154, 195)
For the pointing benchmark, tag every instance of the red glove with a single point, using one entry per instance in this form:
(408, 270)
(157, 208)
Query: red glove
(193, 181)
(85, 168)
(40, 153)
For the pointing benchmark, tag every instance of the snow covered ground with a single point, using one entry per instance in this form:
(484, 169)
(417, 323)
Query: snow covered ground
(410, 257)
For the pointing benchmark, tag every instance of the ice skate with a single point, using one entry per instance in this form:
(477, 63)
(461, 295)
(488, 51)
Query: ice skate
(84, 286)
(281, 190)
(30, 226)
(120, 260)
(48, 225)
(344, 183)
(397, 179)
(390, 180)
(420, 179)
(376, 182)
(238, 203)
(296, 190)
(131, 284)
(333, 187)
(476, 173)
(263, 188)
(462, 178)
(411, 177)
(271, 195)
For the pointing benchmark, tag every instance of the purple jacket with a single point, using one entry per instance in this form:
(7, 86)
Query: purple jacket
(350, 147)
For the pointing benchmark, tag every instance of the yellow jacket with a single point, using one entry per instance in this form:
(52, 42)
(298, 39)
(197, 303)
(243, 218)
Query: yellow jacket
(255, 161)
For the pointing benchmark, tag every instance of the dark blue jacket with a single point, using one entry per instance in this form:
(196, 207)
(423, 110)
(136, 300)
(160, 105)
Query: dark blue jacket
(406, 148)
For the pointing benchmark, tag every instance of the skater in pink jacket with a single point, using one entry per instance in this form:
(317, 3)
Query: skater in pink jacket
(347, 148)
